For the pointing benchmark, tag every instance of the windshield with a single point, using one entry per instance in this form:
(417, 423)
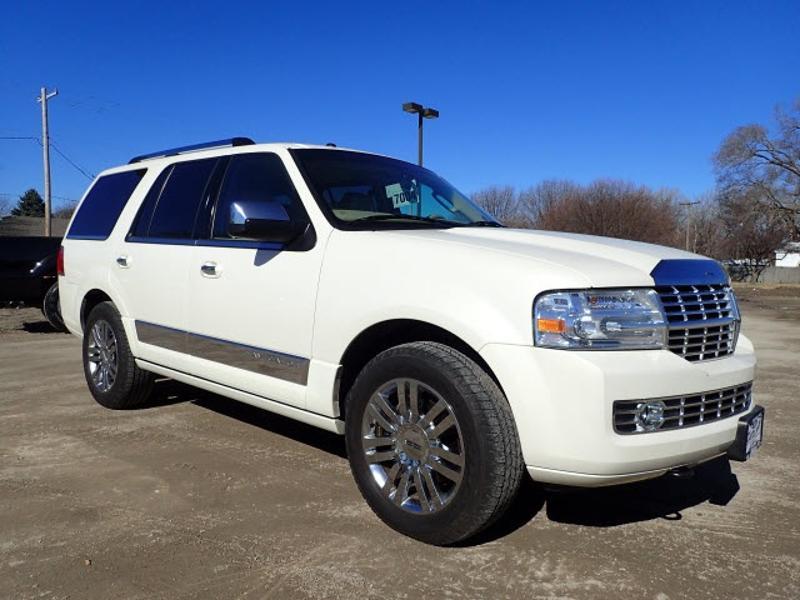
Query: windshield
(364, 191)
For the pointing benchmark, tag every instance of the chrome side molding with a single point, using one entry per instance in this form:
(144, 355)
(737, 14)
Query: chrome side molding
(249, 358)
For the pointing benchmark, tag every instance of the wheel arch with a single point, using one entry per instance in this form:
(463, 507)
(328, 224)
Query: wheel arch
(91, 299)
(386, 334)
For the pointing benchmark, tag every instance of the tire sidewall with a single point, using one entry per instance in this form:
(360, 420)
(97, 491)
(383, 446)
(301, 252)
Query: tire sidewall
(115, 397)
(461, 511)
(52, 309)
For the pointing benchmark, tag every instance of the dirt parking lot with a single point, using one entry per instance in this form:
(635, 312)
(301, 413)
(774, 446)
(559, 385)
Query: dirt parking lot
(201, 497)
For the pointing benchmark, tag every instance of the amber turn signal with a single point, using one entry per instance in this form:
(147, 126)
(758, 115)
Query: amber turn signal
(551, 325)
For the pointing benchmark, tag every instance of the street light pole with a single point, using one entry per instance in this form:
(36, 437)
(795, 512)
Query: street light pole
(419, 138)
(44, 96)
(422, 113)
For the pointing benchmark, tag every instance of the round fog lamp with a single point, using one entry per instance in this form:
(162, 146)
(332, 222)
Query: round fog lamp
(649, 415)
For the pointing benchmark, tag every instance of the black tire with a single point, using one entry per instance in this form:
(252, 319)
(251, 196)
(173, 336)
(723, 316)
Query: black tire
(493, 464)
(131, 386)
(52, 310)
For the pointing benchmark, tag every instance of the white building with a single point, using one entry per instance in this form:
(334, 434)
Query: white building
(788, 255)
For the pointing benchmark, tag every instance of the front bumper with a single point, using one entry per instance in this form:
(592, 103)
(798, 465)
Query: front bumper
(562, 403)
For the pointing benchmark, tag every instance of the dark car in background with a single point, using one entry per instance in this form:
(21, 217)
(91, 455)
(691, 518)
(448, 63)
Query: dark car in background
(28, 274)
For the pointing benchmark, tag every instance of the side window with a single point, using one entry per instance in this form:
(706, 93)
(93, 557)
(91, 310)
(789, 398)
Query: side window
(257, 178)
(142, 222)
(176, 207)
(103, 204)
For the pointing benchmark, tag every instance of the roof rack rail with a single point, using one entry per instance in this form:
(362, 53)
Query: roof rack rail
(236, 141)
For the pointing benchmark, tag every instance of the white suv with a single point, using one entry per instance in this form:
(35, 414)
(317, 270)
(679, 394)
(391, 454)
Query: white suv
(367, 296)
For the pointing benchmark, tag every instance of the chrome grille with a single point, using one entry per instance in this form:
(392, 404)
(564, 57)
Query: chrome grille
(686, 411)
(703, 320)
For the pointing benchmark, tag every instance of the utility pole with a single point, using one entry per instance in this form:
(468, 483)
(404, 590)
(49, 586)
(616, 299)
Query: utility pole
(688, 206)
(44, 96)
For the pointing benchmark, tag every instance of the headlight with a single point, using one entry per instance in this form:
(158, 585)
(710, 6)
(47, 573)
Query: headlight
(599, 320)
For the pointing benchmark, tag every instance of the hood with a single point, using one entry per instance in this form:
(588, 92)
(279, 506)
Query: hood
(593, 260)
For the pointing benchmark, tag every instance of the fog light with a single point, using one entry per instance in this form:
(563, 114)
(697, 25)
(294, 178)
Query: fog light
(649, 415)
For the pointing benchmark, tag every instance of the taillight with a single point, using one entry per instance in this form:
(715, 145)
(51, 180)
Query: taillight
(60, 261)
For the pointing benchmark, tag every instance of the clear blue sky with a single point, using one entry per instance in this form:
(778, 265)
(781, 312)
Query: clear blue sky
(642, 91)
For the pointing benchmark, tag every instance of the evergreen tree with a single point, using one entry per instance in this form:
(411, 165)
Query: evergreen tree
(30, 204)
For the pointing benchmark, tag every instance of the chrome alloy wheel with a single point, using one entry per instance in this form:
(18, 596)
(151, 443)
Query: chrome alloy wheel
(101, 354)
(413, 445)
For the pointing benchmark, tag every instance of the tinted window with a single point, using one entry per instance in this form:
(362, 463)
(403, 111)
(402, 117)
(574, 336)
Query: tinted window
(101, 208)
(142, 222)
(175, 210)
(261, 179)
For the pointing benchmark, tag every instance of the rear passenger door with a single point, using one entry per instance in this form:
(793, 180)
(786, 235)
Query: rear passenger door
(251, 303)
(153, 263)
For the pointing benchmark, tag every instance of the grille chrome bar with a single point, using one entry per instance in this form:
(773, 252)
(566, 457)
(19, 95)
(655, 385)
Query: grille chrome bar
(687, 411)
(703, 320)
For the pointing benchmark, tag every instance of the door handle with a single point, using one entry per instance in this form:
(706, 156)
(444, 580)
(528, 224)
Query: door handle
(209, 269)
(122, 261)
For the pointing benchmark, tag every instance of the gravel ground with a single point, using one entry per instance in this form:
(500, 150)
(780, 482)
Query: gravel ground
(201, 497)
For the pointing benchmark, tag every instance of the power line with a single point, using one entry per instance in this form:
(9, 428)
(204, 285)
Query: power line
(16, 195)
(82, 171)
(90, 176)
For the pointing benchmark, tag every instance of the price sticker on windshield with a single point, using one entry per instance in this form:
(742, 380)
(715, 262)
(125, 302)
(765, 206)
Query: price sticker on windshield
(401, 197)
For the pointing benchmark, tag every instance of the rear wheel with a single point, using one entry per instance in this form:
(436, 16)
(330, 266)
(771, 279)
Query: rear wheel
(432, 443)
(110, 369)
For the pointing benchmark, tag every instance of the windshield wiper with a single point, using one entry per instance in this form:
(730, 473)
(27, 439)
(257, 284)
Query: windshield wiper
(484, 224)
(394, 217)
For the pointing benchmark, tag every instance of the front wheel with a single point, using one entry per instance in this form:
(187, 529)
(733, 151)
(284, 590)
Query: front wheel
(432, 443)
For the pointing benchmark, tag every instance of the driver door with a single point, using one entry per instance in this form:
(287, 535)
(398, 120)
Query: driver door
(251, 303)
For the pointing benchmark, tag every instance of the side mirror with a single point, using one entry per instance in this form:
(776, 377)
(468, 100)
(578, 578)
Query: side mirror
(263, 221)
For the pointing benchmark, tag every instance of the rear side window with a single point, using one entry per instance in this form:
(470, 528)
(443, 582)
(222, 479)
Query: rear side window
(103, 204)
(142, 222)
(170, 209)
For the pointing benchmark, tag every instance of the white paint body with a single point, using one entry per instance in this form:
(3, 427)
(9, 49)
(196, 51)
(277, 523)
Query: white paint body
(477, 283)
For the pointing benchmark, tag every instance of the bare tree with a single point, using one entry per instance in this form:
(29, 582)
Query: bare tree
(763, 168)
(66, 210)
(604, 207)
(706, 236)
(611, 208)
(536, 200)
(751, 234)
(502, 203)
